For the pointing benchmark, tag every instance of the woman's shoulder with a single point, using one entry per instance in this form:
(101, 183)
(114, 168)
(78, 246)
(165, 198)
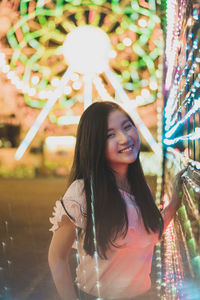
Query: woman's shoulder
(76, 188)
(72, 204)
(75, 195)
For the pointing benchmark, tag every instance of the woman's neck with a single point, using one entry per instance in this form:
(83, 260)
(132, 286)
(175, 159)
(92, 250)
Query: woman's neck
(122, 181)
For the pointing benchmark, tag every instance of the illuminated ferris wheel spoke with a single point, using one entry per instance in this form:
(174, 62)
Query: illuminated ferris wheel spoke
(103, 93)
(42, 115)
(126, 101)
(87, 91)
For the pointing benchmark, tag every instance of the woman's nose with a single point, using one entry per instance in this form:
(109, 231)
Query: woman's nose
(122, 137)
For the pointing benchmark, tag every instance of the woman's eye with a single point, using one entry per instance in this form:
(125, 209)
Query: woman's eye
(110, 135)
(128, 126)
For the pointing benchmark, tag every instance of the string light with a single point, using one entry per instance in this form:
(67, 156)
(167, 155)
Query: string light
(191, 136)
(95, 240)
(173, 96)
(194, 108)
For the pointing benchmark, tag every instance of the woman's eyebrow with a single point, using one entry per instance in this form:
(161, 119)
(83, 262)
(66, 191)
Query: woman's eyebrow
(127, 120)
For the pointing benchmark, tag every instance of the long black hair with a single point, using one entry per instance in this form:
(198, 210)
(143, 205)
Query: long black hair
(111, 220)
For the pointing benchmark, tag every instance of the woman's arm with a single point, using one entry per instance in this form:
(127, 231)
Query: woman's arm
(59, 250)
(170, 210)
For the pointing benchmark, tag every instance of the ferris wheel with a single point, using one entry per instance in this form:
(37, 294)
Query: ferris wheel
(68, 51)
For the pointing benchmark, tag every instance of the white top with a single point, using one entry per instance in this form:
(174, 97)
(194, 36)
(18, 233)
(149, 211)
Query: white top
(126, 272)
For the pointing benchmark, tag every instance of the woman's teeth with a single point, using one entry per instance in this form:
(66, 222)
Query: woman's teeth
(127, 149)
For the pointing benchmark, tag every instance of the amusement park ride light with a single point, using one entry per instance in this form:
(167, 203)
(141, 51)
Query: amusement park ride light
(87, 50)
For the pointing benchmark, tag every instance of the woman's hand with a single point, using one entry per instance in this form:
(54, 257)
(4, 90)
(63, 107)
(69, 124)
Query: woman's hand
(170, 210)
(177, 188)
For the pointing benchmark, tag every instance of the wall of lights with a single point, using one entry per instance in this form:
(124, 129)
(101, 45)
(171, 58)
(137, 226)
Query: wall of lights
(181, 245)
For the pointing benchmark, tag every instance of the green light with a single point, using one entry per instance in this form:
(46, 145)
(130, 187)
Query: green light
(135, 5)
(143, 39)
(125, 25)
(119, 30)
(16, 55)
(120, 46)
(33, 43)
(25, 28)
(125, 63)
(129, 86)
(134, 75)
(13, 42)
(126, 75)
(192, 247)
(34, 103)
(154, 54)
(42, 20)
(134, 16)
(149, 63)
(98, 2)
(23, 7)
(76, 2)
(138, 49)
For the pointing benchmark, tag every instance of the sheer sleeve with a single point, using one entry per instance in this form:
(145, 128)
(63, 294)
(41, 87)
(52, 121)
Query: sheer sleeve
(72, 204)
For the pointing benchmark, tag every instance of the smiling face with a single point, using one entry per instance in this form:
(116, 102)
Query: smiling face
(123, 142)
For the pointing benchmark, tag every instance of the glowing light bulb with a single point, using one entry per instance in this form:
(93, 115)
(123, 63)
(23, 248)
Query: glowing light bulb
(6, 69)
(153, 85)
(145, 93)
(74, 76)
(189, 22)
(55, 82)
(87, 50)
(67, 90)
(77, 85)
(142, 22)
(35, 80)
(127, 42)
(112, 54)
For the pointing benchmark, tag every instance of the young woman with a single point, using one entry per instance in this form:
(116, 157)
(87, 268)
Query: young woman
(109, 209)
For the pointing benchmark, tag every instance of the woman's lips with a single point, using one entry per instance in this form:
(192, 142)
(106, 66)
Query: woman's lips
(127, 149)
